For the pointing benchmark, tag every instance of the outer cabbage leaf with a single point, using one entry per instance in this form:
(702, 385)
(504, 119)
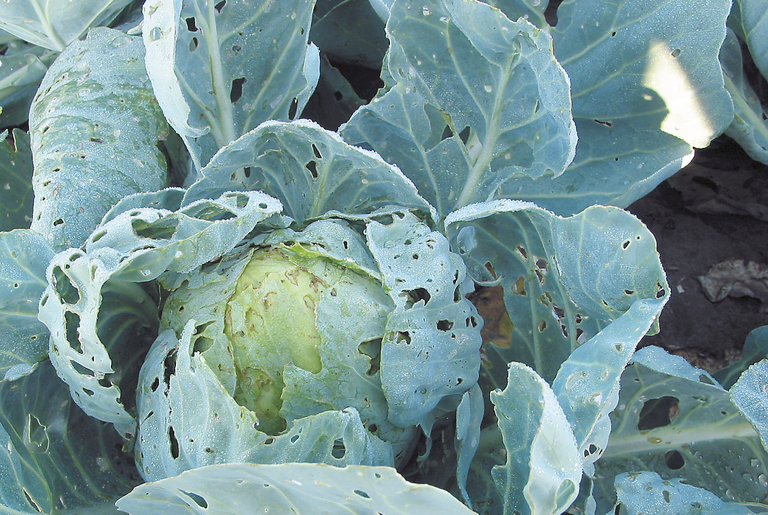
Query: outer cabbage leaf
(750, 395)
(431, 347)
(646, 87)
(749, 127)
(478, 100)
(15, 182)
(564, 279)
(289, 487)
(750, 23)
(54, 457)
(469, 418)
(24, 256)
(543, 466)
(91, 144)
(675, 420)
(22, 67)
(54, 24)
(137, 246)
(219, 69)
(755, 349)
(646, 493)
(310, 170)
(188, 419)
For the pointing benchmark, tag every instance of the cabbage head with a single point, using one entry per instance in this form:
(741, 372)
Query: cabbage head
(353, 317)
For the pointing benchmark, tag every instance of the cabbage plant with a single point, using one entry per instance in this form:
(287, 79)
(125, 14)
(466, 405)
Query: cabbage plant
(230, 280)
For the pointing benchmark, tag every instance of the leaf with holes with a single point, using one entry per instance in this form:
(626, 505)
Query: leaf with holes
(96, 132)
(299, 487)
(675, 420)
(97, 339)
(470, 107)
(563, 279)
(220, 68)
(188, 419)
(646, 86)
(23, 338)
(310, 170)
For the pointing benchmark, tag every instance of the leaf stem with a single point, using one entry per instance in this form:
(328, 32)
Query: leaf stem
(53, 36)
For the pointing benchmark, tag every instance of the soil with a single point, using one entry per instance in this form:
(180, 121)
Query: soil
(714, 210)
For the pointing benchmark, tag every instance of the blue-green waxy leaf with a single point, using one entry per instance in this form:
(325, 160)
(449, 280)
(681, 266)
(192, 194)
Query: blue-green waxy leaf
(675, 420)
(749, 127)
(349, 32)
(432, 341)
(563, 279)
(54, 24)
(219, 69)
(755, 349)
(82, 306)
(310, 170)
(95, 129)
(749, 21)
(15, 181)
(646, 87)
(750, 395)
(289, 488)
(24, 256)
(543, 466)
(469, 418)
(54, 457)
(476, 99)
(188, 419)
(646, 493)
(22, 67)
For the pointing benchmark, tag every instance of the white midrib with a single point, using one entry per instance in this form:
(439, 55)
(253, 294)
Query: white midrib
(225, 132)
(672, 438)
(49, 30)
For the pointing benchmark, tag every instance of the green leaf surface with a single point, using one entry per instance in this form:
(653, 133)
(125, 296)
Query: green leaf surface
(469, 418)
(98, 91)
(563, 279)
(543, 465)
(646, 86)
(476, 100)
(750, 395)
(290, 487)
(755, 349)
(54, 24)
(750, 22)
(22, 67)
(24, 257)
(646, 493)
(54, 457)
(221, 69)
(16, 195)
(137, 246)
(432, 341)
(189, 420)
(310, 170)
(673, 419)
(749, 127)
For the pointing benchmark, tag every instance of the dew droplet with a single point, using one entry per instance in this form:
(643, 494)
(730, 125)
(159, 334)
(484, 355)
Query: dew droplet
(145, 273)
(654, 439)
(425, 11)
(488, 88)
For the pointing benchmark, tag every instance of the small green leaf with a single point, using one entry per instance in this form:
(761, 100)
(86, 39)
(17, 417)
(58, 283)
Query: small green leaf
(16, 195)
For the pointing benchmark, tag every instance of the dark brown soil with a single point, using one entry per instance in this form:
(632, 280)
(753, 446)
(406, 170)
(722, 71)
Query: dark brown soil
(692, 237)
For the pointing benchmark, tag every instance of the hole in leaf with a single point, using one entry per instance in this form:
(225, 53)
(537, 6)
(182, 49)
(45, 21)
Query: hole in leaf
(489, 267)
(174, 443)
(316, 151)
(658, 413)
(162, 229)
(414, 296)
(605, 123)
(674, 460)
(72, 323)
(196, 498)
(293, 109)
(542, 325)
(65, 289)
(58, 221)
(447, 133)
(444, 325)
(521, 250)
(236, 91)
(191, 25)
(339, 450)
(193, 44)
(372, 349)
(155, 384)
(312, 167)
(220, 5)
(295, 438)
(464, 134)
(675, 53)
(362, 494)
(519, 286)
(403, 337)
(169, 367)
